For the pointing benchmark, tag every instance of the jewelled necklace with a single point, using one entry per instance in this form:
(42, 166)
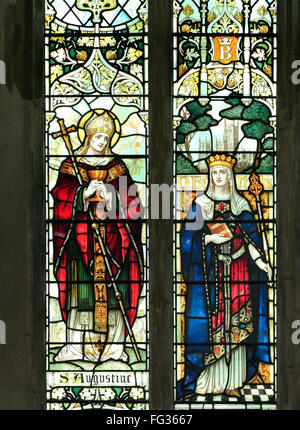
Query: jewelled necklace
(222, 207)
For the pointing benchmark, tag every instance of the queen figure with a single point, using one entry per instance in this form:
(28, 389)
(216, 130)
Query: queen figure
(225, 272)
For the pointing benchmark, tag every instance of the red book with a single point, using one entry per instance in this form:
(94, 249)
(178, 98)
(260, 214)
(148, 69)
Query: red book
(220, 228)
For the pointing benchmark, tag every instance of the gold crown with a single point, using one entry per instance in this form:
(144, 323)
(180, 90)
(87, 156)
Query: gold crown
(101, 124)
(221, 160)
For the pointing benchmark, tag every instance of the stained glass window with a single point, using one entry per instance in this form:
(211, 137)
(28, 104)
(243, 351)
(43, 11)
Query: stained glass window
(96, 151)
(225, 230)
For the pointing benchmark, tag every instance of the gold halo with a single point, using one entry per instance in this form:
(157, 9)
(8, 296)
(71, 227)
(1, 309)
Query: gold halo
(82, 123)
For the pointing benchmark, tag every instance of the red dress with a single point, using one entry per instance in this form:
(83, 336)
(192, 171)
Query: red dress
(240, 288)
(122, 236)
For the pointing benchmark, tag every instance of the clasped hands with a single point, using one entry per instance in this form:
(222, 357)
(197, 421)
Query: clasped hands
(99, 188)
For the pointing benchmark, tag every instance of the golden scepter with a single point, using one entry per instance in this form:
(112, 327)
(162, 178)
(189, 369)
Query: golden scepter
(256, 188)
(65, 134)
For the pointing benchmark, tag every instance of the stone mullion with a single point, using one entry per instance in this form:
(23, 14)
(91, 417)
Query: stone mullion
(161, 172)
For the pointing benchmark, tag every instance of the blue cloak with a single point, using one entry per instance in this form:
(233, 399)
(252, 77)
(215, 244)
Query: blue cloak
(195, 258)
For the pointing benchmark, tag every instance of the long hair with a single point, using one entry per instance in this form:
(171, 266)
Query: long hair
(238, 203)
